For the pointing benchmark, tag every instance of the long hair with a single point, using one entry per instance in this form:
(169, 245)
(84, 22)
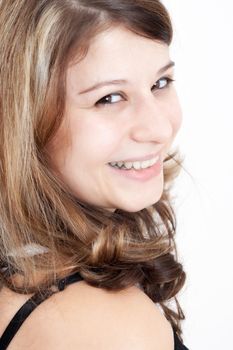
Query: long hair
(39, 38)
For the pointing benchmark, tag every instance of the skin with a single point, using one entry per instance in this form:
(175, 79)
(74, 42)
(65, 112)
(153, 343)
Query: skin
(140, 120)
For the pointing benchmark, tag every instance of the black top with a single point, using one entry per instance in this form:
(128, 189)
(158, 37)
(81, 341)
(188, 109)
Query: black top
(38, 298)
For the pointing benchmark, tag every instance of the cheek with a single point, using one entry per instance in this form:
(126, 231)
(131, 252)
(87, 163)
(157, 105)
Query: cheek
(94, 138)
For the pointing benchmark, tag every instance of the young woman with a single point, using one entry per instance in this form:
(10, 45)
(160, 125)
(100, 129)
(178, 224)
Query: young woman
(88, 114)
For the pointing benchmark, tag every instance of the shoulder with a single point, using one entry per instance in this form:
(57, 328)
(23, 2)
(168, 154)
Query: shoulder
(87, 318)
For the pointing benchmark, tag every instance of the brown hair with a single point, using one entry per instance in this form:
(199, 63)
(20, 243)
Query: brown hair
(39, 38)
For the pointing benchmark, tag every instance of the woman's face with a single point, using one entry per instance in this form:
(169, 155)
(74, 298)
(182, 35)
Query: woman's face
(135, 117)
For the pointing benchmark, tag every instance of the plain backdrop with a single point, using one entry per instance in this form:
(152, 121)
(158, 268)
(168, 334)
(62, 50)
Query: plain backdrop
(203, 51)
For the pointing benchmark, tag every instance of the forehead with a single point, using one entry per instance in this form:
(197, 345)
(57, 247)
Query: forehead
(120, 51)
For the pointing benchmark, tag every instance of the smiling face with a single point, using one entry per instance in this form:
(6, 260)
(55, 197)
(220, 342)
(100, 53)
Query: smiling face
(140, 118)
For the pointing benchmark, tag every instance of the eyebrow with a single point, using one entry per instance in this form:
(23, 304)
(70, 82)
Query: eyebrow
(121, 81)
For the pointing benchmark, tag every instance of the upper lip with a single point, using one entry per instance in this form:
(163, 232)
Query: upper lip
(140, 159)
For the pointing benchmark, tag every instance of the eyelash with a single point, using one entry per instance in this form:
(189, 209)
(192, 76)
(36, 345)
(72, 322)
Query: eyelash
(101, 102)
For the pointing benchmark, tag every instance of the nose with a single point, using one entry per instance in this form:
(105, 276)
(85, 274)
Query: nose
(152, 122)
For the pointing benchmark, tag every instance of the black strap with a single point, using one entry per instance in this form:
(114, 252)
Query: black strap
(26, 309)
(75, 277)
(178, 345)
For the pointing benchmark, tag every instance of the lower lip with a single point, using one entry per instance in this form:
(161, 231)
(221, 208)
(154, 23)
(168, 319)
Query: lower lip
(140, 175)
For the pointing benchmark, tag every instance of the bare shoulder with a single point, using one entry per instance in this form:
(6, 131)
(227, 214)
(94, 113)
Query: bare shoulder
(87, 318)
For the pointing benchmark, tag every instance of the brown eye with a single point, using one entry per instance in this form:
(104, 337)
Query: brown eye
(162, 83)
(108, 100)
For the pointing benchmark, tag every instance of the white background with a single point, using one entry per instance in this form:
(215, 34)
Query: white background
(203, 52)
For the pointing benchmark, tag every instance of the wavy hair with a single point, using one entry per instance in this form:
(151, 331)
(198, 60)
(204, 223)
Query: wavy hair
(39, 38)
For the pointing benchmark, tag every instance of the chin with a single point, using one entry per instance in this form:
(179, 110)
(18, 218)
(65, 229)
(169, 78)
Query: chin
(137, 205)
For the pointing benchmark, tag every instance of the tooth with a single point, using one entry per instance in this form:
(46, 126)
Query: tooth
(137, 165)
(113, 163)
(145, 164)
(120, 164)
(156, 160)
(150, 162)
(128, 165)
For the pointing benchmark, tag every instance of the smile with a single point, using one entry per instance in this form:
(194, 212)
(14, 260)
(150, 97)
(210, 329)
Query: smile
(137, 165)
